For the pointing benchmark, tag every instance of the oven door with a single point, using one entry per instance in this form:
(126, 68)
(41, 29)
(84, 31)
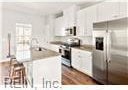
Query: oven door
(66, 56)
(65, 53)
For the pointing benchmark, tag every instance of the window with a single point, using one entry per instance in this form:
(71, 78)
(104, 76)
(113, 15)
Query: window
(23, 37)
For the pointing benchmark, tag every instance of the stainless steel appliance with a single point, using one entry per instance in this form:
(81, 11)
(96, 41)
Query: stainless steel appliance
(70, 31)
(65, 54)
(65, 50)
(110, 56)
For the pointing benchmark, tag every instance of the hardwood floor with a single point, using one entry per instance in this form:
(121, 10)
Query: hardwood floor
(71, 76)
(4, 71)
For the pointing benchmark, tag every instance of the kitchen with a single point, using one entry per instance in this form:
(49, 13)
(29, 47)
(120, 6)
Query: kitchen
(88, 38)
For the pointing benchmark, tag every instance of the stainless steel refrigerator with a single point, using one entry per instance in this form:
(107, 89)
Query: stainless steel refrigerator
(110, 55)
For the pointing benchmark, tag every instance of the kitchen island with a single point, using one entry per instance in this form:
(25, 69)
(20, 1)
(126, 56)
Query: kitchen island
(43, 68)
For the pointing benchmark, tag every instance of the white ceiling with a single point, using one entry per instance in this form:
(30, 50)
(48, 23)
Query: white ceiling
(41, 8)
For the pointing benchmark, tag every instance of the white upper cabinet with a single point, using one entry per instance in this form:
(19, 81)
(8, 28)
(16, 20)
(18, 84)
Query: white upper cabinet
(111, 10)
(108, 11)
(66, 16)
(81, 22)
(85, 19)
(91, 16)
(59, 27)
(66, 21)
(70, 16)
(123, 9)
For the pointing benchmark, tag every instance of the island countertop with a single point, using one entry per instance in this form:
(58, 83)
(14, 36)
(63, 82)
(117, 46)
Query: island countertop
(45, 53)
(34, 54)
(45, 63)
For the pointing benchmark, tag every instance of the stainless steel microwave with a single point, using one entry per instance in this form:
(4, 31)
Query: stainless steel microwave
(70, 31)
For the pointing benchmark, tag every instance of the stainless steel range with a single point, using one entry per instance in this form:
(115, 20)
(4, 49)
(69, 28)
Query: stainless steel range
(65, 50)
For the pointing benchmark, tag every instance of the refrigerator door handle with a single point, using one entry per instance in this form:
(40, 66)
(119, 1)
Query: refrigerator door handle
(109, 46)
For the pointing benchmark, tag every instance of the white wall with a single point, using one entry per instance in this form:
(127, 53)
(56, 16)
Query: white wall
(49, 30)
(0, 30)
(9, 20)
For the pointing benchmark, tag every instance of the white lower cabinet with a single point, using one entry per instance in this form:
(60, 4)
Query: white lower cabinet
(82, 61)
(75, 60)
(47, 70)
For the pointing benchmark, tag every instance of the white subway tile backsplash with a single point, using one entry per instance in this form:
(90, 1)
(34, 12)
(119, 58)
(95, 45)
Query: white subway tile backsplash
(84, 40)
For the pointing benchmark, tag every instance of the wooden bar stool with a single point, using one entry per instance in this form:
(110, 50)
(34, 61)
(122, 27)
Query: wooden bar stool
(18, 74)
(7, 79)
(12, 62)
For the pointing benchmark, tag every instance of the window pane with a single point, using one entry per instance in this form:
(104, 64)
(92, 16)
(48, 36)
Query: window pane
(27, 40)
(20, 40)
(23, 36)
(27, 54)
(27, 31)
(21, 31)
(21, 55)
(20, 46)
(26, 47)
